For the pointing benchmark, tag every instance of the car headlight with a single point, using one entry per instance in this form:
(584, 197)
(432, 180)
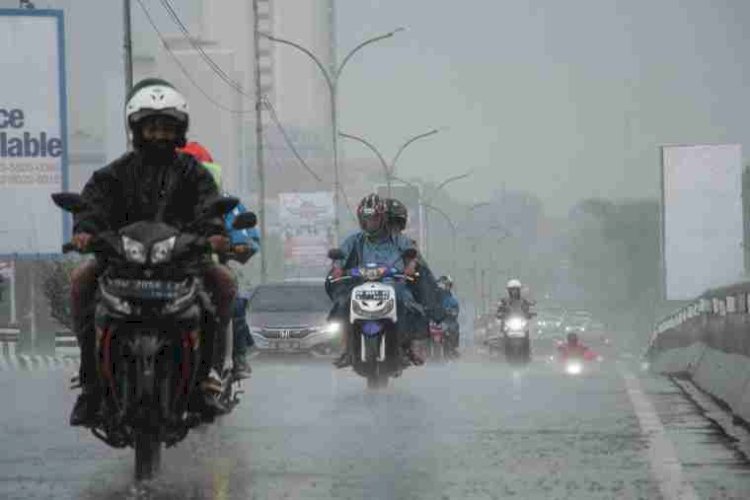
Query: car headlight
(134, 250)
(332, 329)
(162, 250)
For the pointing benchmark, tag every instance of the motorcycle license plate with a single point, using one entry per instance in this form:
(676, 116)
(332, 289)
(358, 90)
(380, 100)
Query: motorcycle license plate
(146, 289)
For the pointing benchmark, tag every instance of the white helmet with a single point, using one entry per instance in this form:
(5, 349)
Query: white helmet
(514, 283)
(154, 96)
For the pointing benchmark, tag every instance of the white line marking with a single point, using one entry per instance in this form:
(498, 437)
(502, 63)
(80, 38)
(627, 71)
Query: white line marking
(665, 465)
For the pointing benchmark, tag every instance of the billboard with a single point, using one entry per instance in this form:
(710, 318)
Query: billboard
(702, 232)
(307, 232)
(411, 197)
(33, 157)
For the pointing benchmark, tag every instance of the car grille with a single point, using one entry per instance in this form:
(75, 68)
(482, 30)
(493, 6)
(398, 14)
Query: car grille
(286, 333)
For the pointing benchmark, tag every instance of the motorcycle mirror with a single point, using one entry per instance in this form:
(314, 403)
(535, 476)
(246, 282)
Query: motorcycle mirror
(335, 254)
(247, 220)
(409, 254)
(70, 202)
(221, 206)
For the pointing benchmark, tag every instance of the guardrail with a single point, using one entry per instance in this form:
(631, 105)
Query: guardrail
(719, 317)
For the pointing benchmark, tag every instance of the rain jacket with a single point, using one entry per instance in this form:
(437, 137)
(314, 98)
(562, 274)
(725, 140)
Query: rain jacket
(128, 190)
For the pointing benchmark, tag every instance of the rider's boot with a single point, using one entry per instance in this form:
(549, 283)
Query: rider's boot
(240, 367)
(344, 360)
(410, 356)
(212, 384)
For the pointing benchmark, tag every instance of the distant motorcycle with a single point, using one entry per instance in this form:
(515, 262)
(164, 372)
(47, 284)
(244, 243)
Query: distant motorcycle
(151, 314)
(373, 316)
(576, 361)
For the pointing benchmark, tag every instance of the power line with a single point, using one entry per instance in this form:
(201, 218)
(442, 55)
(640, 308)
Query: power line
(182, 67)
(287, 139)
(208, 59)
(229, 81)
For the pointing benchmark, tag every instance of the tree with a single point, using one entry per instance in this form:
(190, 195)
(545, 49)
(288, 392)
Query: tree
(56, 287)
(615, 258)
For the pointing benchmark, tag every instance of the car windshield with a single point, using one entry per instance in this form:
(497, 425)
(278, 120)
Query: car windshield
(286, 298)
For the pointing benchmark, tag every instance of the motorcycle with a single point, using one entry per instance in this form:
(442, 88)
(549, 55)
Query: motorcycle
(577, 361)
(516, 340)
(373, 317)
(152, 312)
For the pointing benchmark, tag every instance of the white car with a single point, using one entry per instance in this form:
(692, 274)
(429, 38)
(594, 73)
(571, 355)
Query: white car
(291, 317)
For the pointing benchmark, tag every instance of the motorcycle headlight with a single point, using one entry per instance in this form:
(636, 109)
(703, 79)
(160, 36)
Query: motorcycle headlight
(574, 368)
(162, 250)
(134, 250)
(516, 324)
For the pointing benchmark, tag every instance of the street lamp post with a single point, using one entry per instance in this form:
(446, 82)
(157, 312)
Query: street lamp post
(454, 231)
(424, 203)
(389, 168)
(332, 80)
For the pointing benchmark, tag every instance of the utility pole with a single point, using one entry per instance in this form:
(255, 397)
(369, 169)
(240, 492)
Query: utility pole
(127, 45)
(259, 145)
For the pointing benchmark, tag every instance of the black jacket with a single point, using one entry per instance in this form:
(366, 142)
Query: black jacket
(128, 190)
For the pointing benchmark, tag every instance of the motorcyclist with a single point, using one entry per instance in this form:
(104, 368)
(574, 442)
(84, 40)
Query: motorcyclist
(398, 215)
(152, 182)
(574, 348)
(376, 243)
(426, 291)
(451, 307)
(245, 243)
(514, 302)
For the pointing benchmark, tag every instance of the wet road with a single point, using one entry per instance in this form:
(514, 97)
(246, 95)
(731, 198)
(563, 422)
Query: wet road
(466, 430)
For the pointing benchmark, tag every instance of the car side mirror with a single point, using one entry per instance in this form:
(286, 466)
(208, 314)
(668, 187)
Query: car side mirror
(335, 254)
(247, 220)
(70, 202)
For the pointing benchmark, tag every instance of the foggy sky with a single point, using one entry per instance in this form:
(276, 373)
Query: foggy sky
(564, 99)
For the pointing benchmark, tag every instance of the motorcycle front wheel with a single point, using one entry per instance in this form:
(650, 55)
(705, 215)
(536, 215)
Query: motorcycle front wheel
(147, 455)
(376, 379)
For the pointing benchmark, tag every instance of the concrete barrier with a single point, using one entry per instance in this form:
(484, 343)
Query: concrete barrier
(723, 375)
(66, 353)
(709, 341)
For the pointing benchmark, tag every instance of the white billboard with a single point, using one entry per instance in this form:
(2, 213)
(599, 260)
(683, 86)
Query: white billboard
(702, 218)
(306, 221)
(33, 157)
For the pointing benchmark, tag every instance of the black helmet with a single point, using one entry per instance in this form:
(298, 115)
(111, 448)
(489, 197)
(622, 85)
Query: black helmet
(398, 214)
(572, 338)
(371, 214)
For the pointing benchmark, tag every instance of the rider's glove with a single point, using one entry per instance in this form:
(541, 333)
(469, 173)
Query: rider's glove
(336, 272)
(219, 243)
(82, 241)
